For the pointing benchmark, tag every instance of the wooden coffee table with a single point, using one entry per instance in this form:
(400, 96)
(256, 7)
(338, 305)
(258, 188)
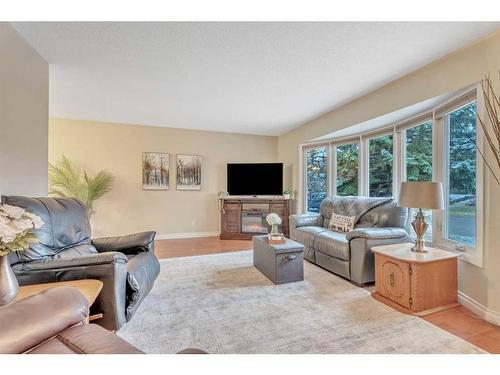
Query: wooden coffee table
(90, 289)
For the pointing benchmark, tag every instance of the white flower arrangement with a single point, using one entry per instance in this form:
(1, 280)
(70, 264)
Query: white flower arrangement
(273, 219)
(16, 227)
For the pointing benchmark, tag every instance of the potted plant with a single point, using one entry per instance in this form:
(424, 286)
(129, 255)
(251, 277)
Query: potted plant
(16, 227)
(68, 180)
(287, 193)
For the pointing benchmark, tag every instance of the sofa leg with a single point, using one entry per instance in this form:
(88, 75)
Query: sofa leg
(358, 284)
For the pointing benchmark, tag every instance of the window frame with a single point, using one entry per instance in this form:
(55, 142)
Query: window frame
(366, 161)
(403, 170)
(334, 169)
(303, 191)
(471, 254)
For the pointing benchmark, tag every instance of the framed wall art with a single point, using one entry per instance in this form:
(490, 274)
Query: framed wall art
(155, 170)
(189, 172)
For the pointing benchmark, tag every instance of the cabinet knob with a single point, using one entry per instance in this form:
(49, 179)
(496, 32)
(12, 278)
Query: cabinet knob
(391, 279)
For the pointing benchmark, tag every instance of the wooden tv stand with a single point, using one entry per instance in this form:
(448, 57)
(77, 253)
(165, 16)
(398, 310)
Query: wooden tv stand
(242, 218)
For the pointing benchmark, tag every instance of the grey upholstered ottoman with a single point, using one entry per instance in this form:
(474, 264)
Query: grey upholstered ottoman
(279, 263)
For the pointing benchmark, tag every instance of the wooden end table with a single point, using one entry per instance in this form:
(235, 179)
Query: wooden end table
(415, 283)
(90, 288)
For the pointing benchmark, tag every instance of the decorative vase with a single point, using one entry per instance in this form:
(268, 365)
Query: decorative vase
(286, 196)
(9, 287)
(274, 230)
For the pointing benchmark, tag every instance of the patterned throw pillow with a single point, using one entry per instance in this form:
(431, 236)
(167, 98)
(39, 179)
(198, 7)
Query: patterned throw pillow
(340, 223)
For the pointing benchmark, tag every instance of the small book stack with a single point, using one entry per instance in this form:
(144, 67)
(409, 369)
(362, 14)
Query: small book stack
(276, 239)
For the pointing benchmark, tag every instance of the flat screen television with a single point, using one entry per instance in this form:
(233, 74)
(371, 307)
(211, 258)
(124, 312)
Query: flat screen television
(255, 178)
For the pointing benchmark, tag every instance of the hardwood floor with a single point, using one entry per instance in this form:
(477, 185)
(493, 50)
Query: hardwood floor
(465, 324)
(198, 246)
(459, 321)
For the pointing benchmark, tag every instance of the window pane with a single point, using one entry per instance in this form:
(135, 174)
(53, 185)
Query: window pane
(461, 215)
(419, 153)
(347, 169)
(380, 171)
(419, 164)
(316, 177)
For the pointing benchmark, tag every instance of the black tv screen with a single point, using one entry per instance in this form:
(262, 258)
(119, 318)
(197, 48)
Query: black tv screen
(255, 178)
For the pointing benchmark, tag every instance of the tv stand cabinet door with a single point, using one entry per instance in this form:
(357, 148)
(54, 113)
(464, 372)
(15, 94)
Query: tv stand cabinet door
(231, 218)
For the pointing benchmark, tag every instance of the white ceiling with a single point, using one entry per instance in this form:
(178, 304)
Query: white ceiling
(261, 78)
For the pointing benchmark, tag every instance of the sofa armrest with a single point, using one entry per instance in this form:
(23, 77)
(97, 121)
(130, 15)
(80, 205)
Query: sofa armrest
(129, 244)
(377, 233)
(81, 261)
(110, 268)
(304, 220)
(29, 322)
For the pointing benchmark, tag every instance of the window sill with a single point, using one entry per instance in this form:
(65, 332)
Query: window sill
(473, 256)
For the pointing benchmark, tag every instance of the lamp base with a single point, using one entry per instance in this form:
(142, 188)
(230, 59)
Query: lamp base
(417, 250)
(419, 226)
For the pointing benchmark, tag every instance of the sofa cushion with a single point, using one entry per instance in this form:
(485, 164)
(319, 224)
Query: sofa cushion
(333, 244)
(305, 235)
(350, 206)
(86, 339)
(76, 251)
(385, 215)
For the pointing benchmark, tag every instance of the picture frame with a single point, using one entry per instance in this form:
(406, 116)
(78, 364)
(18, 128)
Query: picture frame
(155, 170)
(189, 172)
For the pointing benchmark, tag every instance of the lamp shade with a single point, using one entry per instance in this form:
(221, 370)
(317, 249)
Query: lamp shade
(421, 195)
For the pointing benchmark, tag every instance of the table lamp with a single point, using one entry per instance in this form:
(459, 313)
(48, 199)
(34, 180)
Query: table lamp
(421, 195)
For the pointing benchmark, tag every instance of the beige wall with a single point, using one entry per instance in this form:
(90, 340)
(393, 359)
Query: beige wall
(119, 148)
(24, 91)
(453, 72)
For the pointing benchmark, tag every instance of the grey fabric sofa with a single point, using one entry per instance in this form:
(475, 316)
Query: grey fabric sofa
(126, 265)
(378, 221)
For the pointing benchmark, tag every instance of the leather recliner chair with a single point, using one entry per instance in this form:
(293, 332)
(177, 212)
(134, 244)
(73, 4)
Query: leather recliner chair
(53, 322)
(126, 265)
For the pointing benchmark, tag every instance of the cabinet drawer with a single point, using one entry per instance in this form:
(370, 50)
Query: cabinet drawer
(392, 278)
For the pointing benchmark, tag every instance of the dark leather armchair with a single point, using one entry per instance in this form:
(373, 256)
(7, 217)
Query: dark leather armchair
(126, 265)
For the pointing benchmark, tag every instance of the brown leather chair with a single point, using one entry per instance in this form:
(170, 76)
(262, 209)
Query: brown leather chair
(53, 322)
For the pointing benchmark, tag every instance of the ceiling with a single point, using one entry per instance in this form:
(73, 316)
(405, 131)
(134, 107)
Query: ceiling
(393, 118)
(259, 78)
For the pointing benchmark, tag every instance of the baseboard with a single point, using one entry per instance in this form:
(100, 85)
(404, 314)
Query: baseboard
(170, 236)
(478, 309)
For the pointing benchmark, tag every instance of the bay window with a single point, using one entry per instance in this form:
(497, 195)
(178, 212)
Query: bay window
(437, 145)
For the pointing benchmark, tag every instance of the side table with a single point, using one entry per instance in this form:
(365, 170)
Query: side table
(415, 283)
(89, 288)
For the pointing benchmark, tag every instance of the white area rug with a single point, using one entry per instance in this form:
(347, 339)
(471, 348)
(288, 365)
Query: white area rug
(222, 304)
